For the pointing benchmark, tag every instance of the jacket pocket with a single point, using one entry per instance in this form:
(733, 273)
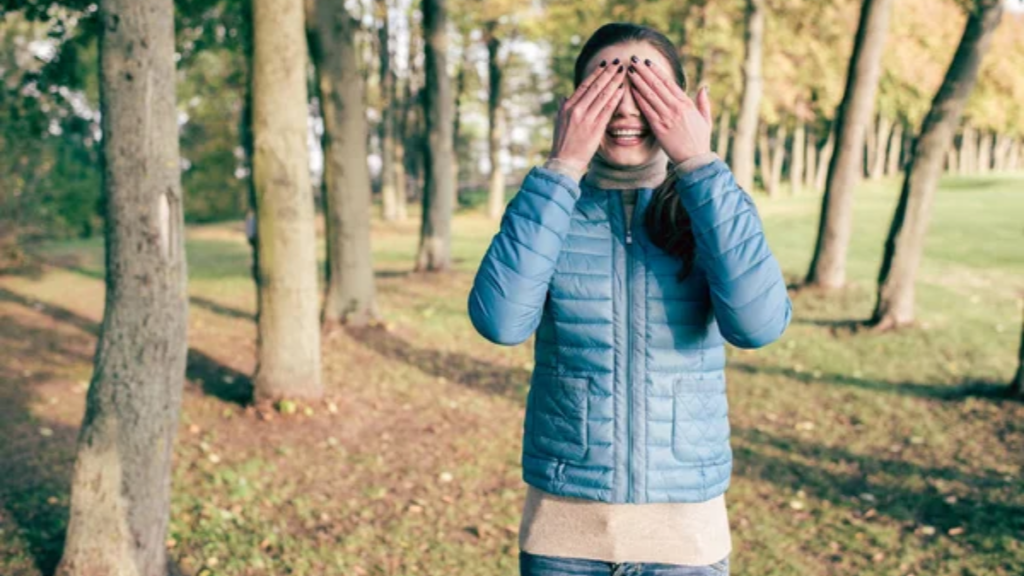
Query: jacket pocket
(557, 416)
(699, 417)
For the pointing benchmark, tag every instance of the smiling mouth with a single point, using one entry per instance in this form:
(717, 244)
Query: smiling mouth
(627, 136)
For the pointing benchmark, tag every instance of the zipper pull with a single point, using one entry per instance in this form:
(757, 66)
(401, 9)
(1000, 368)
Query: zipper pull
(629, 236)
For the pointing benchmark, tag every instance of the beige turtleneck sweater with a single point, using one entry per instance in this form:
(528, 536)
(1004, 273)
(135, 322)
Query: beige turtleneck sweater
(692, 534)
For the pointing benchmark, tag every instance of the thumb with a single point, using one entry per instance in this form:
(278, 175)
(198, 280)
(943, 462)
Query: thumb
(704, 104)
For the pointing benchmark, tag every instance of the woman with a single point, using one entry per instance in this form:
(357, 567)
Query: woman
(633, 276)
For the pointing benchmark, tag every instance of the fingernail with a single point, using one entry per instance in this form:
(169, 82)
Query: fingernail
(648, 62)
(602, 64)
(632, 70)
(620, 69)
(635, 59)
(616, 61)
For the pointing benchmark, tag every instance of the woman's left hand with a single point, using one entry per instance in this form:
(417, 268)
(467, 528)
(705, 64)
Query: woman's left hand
(682, 127)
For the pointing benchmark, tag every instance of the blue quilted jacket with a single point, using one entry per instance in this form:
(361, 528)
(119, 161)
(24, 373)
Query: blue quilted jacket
(627, 399)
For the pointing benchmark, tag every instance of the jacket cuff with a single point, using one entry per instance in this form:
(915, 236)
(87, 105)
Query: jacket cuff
(695, 163)
(565, 168)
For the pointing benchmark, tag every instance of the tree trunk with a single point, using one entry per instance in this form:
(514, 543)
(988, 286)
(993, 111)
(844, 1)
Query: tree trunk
(968, 151)
(764, 159)
(892, 165)
(351, 296)
(724, 124)
(951, 163)
(1014, 162)
(435, 233)
(828, 266)
(796, 166)
(778, 159)
(811, 167)
(460, 89)
(495, 126)
(388, 172)
(1017, 385)
(1002, 153)
(825, 159)
(883, 138)
(120, 488)
(288, 353)
(746, 123)
(870, 146)
(985, 153)
(905, 243)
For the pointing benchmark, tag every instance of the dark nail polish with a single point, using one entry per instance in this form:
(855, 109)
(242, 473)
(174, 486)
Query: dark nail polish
(616, 61)
(635, 59)
(620, 69)
(602, 64)
(648, 62)
(632, 70)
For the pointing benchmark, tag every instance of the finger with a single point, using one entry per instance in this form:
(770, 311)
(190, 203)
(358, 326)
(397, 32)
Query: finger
(600, 87)
(584, 88)
(659, 79)
(607, 103)
(704, 104)
(646, 108)
(643, 87)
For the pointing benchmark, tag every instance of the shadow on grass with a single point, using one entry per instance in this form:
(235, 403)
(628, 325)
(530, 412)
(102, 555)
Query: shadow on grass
(456, 367)
(987, 520)
(966, 389)
(38, 457)
(216, 379)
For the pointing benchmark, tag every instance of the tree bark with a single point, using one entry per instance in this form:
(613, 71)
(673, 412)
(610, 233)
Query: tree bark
(746, 123)
(882, 138)
(351, 295)
(764, 159)
(828, 266)
(435, 232)
(796, 165)
(892, 165)
(120, 488)
(388, 171)
(811, 167)
(985, 153)
(905, 243)
(724, 125)
(951, 162)
(778, 159)
(825, 159)
(495, 126)
(288, 351)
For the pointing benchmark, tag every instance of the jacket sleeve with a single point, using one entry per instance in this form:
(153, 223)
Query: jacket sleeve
(511, 285)
(748, 292)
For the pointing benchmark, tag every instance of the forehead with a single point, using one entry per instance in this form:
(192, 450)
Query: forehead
(623, 51)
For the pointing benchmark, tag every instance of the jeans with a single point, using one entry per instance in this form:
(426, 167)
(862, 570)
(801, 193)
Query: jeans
(536, 565)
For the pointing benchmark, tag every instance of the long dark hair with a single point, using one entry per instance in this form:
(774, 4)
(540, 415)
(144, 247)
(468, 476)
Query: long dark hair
(666, 221)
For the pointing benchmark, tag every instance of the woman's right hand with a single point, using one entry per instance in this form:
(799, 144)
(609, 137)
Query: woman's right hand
(583, 118)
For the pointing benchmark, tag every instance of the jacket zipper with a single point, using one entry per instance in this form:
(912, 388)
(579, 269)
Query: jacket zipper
(627, 222)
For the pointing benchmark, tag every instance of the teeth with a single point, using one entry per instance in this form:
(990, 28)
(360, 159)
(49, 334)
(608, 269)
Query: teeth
(621, 133)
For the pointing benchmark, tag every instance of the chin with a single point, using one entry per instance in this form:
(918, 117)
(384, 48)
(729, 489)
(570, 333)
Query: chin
(633, 155)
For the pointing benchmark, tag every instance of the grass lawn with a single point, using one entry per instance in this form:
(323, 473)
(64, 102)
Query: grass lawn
(855, 453)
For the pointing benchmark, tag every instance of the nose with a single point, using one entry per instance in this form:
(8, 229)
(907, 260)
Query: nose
(627, 107)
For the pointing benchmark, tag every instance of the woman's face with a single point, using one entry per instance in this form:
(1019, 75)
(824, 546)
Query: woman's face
(621, 144)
